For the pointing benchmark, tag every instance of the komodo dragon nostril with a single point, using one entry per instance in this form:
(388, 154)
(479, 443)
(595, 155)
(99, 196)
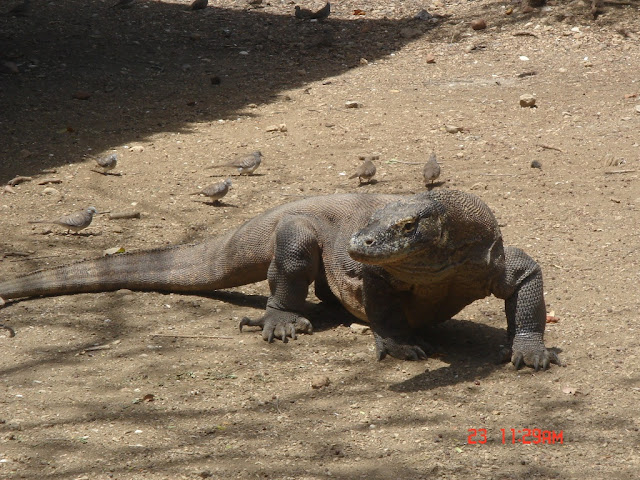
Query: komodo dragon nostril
(368, 242)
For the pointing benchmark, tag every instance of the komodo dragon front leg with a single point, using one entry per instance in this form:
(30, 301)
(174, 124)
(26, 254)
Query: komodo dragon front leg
(521, 288)
(294, 267)
(391, 331)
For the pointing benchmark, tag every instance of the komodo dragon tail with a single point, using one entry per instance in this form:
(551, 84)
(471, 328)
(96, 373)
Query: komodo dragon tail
(234, 259)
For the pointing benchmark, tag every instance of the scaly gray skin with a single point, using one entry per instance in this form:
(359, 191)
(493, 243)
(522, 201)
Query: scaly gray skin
(397, 262)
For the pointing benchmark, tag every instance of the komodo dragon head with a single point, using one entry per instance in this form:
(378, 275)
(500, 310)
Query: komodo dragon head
(426, 233)
(400, 231)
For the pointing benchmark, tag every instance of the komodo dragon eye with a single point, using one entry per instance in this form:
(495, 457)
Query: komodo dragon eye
(409, 227)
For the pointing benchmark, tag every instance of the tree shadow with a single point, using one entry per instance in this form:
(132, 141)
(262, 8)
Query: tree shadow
(93, 77)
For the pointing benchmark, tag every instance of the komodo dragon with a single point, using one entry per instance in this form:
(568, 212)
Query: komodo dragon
(396, 262)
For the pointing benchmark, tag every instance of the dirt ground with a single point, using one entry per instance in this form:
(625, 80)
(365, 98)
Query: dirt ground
(152, 386)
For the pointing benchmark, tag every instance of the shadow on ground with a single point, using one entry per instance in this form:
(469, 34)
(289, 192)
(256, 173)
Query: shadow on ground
(94, 77)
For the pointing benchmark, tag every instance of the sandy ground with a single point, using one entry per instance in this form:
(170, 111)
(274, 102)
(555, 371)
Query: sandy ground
(88, 388)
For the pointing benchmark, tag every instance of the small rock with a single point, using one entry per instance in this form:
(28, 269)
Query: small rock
(352, 104)
(359, 329)
(527, 100)
(452, 129)
(364, 61)
(479, 24)
(319, 382)
(82, 95)
(112, 251)
(276, 128)
(50, 191)
(137, 148)
(536, 164)
(430, 58)
(423, 15)
(8, 189)
(637, 109)
(9, 67)
(215, 80)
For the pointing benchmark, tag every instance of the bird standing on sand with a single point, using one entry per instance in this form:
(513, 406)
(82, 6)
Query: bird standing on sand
(431, 170)
(366, 170)
(246, 165)
(76, 221)
(216, 191)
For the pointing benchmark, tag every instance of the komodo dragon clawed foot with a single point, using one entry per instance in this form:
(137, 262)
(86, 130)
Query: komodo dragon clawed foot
(279, 324)
(535, 355)
(403, 348)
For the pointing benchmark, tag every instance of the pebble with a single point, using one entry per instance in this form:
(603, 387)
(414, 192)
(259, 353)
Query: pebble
(10, 67)
(637, 108)
(452, 129)
(319, 382)
(479, 24)
(423, 15)
(527, 100)
(536, 164)
(50, 191)
(82, 95)
(277, 128)
(359, 328)
(352, 104)
(431, 58)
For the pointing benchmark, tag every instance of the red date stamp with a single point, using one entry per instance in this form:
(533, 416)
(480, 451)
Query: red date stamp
(525, 436)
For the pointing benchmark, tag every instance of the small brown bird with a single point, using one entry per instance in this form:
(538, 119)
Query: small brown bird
(216, 191)
(76, 221)
(246, 165)
(431, 170)
(366, 170)
(199, 4)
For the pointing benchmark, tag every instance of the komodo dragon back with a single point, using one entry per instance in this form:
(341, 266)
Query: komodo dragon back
(236, 258)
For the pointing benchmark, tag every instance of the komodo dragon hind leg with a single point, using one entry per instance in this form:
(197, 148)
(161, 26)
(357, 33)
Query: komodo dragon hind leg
(295, 265)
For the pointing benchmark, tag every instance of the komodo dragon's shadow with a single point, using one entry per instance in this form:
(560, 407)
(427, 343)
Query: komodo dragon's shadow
(470, 348)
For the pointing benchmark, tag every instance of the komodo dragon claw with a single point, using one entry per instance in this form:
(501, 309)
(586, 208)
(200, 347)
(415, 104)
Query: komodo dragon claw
(279, 324)
(401, 348)
(538, 356)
